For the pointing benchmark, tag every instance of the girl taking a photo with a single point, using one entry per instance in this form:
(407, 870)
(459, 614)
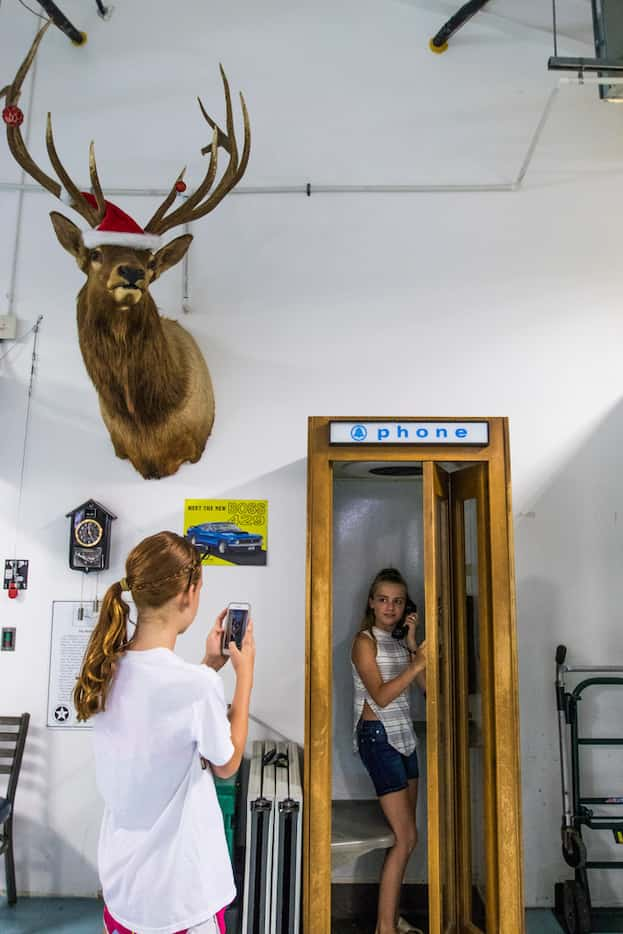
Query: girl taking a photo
(161, 729)
(384, 668)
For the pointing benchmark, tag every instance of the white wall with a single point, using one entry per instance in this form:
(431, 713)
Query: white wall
(423, 304)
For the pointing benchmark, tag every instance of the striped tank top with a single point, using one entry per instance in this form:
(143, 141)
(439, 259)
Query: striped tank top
(392, 657)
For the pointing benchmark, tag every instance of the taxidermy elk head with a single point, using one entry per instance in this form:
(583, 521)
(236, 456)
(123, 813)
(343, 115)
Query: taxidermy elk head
(153, 384)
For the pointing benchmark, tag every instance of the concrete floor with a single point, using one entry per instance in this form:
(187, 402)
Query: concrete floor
(83, 916)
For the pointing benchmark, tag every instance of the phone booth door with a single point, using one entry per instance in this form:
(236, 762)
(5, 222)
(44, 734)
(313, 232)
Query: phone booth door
(461, 754)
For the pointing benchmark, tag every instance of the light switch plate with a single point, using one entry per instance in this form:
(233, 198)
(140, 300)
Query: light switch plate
(8, 327)
(7, 642)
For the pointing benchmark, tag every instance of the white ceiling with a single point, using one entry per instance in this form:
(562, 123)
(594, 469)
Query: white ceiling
(340, 91)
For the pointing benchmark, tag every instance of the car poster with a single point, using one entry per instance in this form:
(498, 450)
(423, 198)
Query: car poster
(228, 531)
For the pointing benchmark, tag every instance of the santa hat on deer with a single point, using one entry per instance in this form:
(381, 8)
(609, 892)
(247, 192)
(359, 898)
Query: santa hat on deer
(118, 229)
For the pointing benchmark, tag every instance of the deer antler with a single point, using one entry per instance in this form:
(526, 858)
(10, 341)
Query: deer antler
(20, 153)
(194, 206)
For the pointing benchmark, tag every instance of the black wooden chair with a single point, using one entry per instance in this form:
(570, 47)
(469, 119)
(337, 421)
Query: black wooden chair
(13, 732)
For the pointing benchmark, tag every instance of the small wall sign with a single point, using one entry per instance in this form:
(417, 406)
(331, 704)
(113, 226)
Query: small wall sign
(8, 639)
(15, 574)
(72, 624)
(228, 531)
(409, 431)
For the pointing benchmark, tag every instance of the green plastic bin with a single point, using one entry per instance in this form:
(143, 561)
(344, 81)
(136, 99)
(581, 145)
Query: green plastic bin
(227, 794)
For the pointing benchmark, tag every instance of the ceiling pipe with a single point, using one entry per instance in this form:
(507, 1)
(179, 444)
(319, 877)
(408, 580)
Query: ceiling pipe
(61, 22)
(439, 42)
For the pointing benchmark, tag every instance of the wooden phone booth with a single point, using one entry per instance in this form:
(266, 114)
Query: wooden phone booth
(474, 858)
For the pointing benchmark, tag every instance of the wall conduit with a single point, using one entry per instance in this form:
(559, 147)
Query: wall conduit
(308, 188)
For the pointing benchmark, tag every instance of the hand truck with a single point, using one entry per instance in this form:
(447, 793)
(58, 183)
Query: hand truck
(572, 897)
(272, 879)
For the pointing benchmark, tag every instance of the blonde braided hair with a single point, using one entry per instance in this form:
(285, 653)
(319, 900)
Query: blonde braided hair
(154, 572)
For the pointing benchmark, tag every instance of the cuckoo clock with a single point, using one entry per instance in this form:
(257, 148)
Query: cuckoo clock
(89, 537)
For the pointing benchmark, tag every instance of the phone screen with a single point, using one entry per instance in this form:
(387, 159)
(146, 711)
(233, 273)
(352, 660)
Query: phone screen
(236, 626)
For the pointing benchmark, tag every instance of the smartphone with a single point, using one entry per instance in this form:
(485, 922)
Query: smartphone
(236, 623)
(400, 629)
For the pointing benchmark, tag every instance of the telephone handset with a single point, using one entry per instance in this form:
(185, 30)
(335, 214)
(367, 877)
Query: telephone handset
(400, 629)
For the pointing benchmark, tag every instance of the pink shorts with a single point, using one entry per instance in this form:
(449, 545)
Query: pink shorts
(114, 927)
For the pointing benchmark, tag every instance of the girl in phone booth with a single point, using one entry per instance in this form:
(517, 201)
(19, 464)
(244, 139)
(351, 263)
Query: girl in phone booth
(385, 663)
(158, 722)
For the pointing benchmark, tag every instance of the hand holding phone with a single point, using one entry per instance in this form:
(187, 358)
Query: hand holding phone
(243, 660)
(213, 657)
(236, 622)
(401, 629)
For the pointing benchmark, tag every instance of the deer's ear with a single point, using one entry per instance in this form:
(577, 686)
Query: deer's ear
(70, 238)
(171, 254)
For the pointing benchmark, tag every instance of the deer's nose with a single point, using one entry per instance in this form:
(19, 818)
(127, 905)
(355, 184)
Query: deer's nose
(131, 274)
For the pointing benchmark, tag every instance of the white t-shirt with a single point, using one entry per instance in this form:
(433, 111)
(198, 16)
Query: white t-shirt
(163, 859)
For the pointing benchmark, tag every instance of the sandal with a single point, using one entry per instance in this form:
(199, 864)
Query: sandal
(405, 927)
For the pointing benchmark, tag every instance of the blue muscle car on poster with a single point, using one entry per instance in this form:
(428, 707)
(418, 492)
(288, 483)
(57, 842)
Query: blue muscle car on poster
(222, 537)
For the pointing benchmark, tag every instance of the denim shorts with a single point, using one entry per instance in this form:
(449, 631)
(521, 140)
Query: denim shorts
(388, 768)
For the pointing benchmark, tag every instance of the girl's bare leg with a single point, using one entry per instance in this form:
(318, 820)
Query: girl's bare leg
(412, 790)
(398, 807)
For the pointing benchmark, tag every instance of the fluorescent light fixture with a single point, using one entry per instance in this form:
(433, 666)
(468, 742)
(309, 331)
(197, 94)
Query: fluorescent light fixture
(614, 93)
(608, 61)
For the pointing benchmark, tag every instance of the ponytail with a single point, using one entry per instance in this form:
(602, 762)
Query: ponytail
(107, 643)
(157, 569)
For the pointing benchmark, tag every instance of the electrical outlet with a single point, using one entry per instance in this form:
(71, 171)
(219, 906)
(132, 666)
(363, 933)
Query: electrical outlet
(8, 327)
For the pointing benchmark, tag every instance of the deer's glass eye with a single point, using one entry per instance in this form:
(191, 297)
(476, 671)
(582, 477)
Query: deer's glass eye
(96, 256)
(151, 263)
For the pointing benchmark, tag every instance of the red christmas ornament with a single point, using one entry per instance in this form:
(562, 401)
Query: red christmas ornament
(13, 591)
(12, 115)
(180, 186)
